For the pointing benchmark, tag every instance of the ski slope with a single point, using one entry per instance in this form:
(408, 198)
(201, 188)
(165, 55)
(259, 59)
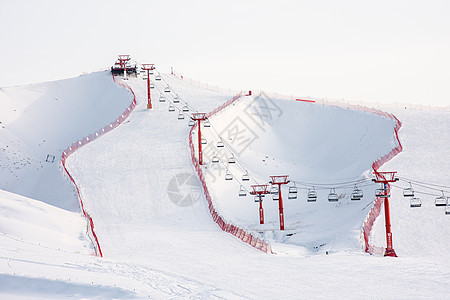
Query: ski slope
(39, 121)
(311, 144)
(425, 158)
(153, 224)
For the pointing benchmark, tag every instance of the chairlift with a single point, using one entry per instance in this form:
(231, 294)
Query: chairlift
(415, 202)
(312, 195)
(162, 98)
(441, 200)
(332, 196)
(258, 198)
(206, 123)
(293, 189)
(357, 194)
(167, 89)
(215, 159)
(171, 108)
(292, 195)
(276, 197)
(203, 142)
(381, 193)
(274, 190)
(220, 144)
(408, 192)
(231, 160)
(176, 99)
(242, 192)
(180, 116)
(228, 176)
(185, 108)
(245, 177)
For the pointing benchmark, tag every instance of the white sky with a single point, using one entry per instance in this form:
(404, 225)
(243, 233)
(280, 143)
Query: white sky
(386, 50)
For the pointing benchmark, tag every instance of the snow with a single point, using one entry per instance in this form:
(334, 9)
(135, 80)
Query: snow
(43, 119)
(425, 158)
(156, 233)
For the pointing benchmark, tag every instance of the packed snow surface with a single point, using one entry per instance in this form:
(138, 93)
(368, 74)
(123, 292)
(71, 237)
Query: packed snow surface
(150, 216)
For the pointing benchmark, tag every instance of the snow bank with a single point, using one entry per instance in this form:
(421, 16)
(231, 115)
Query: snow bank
(40, 224)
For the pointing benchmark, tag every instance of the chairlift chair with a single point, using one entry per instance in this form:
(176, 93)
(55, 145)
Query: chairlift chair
(357, 194)
(171, 108)
(228, 176)
(441, 200)
(150, 72)
(312, 195)
(245, 177)
(292, 192)
(152, 86)
(144, 77)
(162, 98)
(257, 198)
(180, 116)
(293, 189)
(408, 192)
(191, 123)
(332, 196)
(215, 159)
(176, 99)
(220, 144)
(242, 192)
(203, 142)
(381, 193)
(292, 195)
(231, 160)
(415, 202)
(274, 190)
(167, 89)
(206, 123)
(185, 108)
(276, 197)
(158, 77)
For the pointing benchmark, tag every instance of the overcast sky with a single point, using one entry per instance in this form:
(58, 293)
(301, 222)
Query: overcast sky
(386, 50)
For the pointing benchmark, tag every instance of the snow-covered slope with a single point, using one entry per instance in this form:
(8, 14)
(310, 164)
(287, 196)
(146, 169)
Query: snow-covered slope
(39, 121)
(422, 231)
(37, 223)
(156, 233)
(312, 144)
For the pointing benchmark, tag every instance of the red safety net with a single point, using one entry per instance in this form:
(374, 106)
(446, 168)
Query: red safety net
(226, 226)
(84, 141)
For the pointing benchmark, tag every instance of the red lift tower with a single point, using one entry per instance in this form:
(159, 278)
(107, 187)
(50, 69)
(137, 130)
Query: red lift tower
(199, 117)
(280, 180)
(123, 59)
(385, 178)
(259, 190)
(148, 68)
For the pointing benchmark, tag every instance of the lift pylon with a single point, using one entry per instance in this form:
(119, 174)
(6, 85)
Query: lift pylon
(148, 68)
(199, 117)
(385, 178)
(259, 190)
(280, 180)
(123, 59)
